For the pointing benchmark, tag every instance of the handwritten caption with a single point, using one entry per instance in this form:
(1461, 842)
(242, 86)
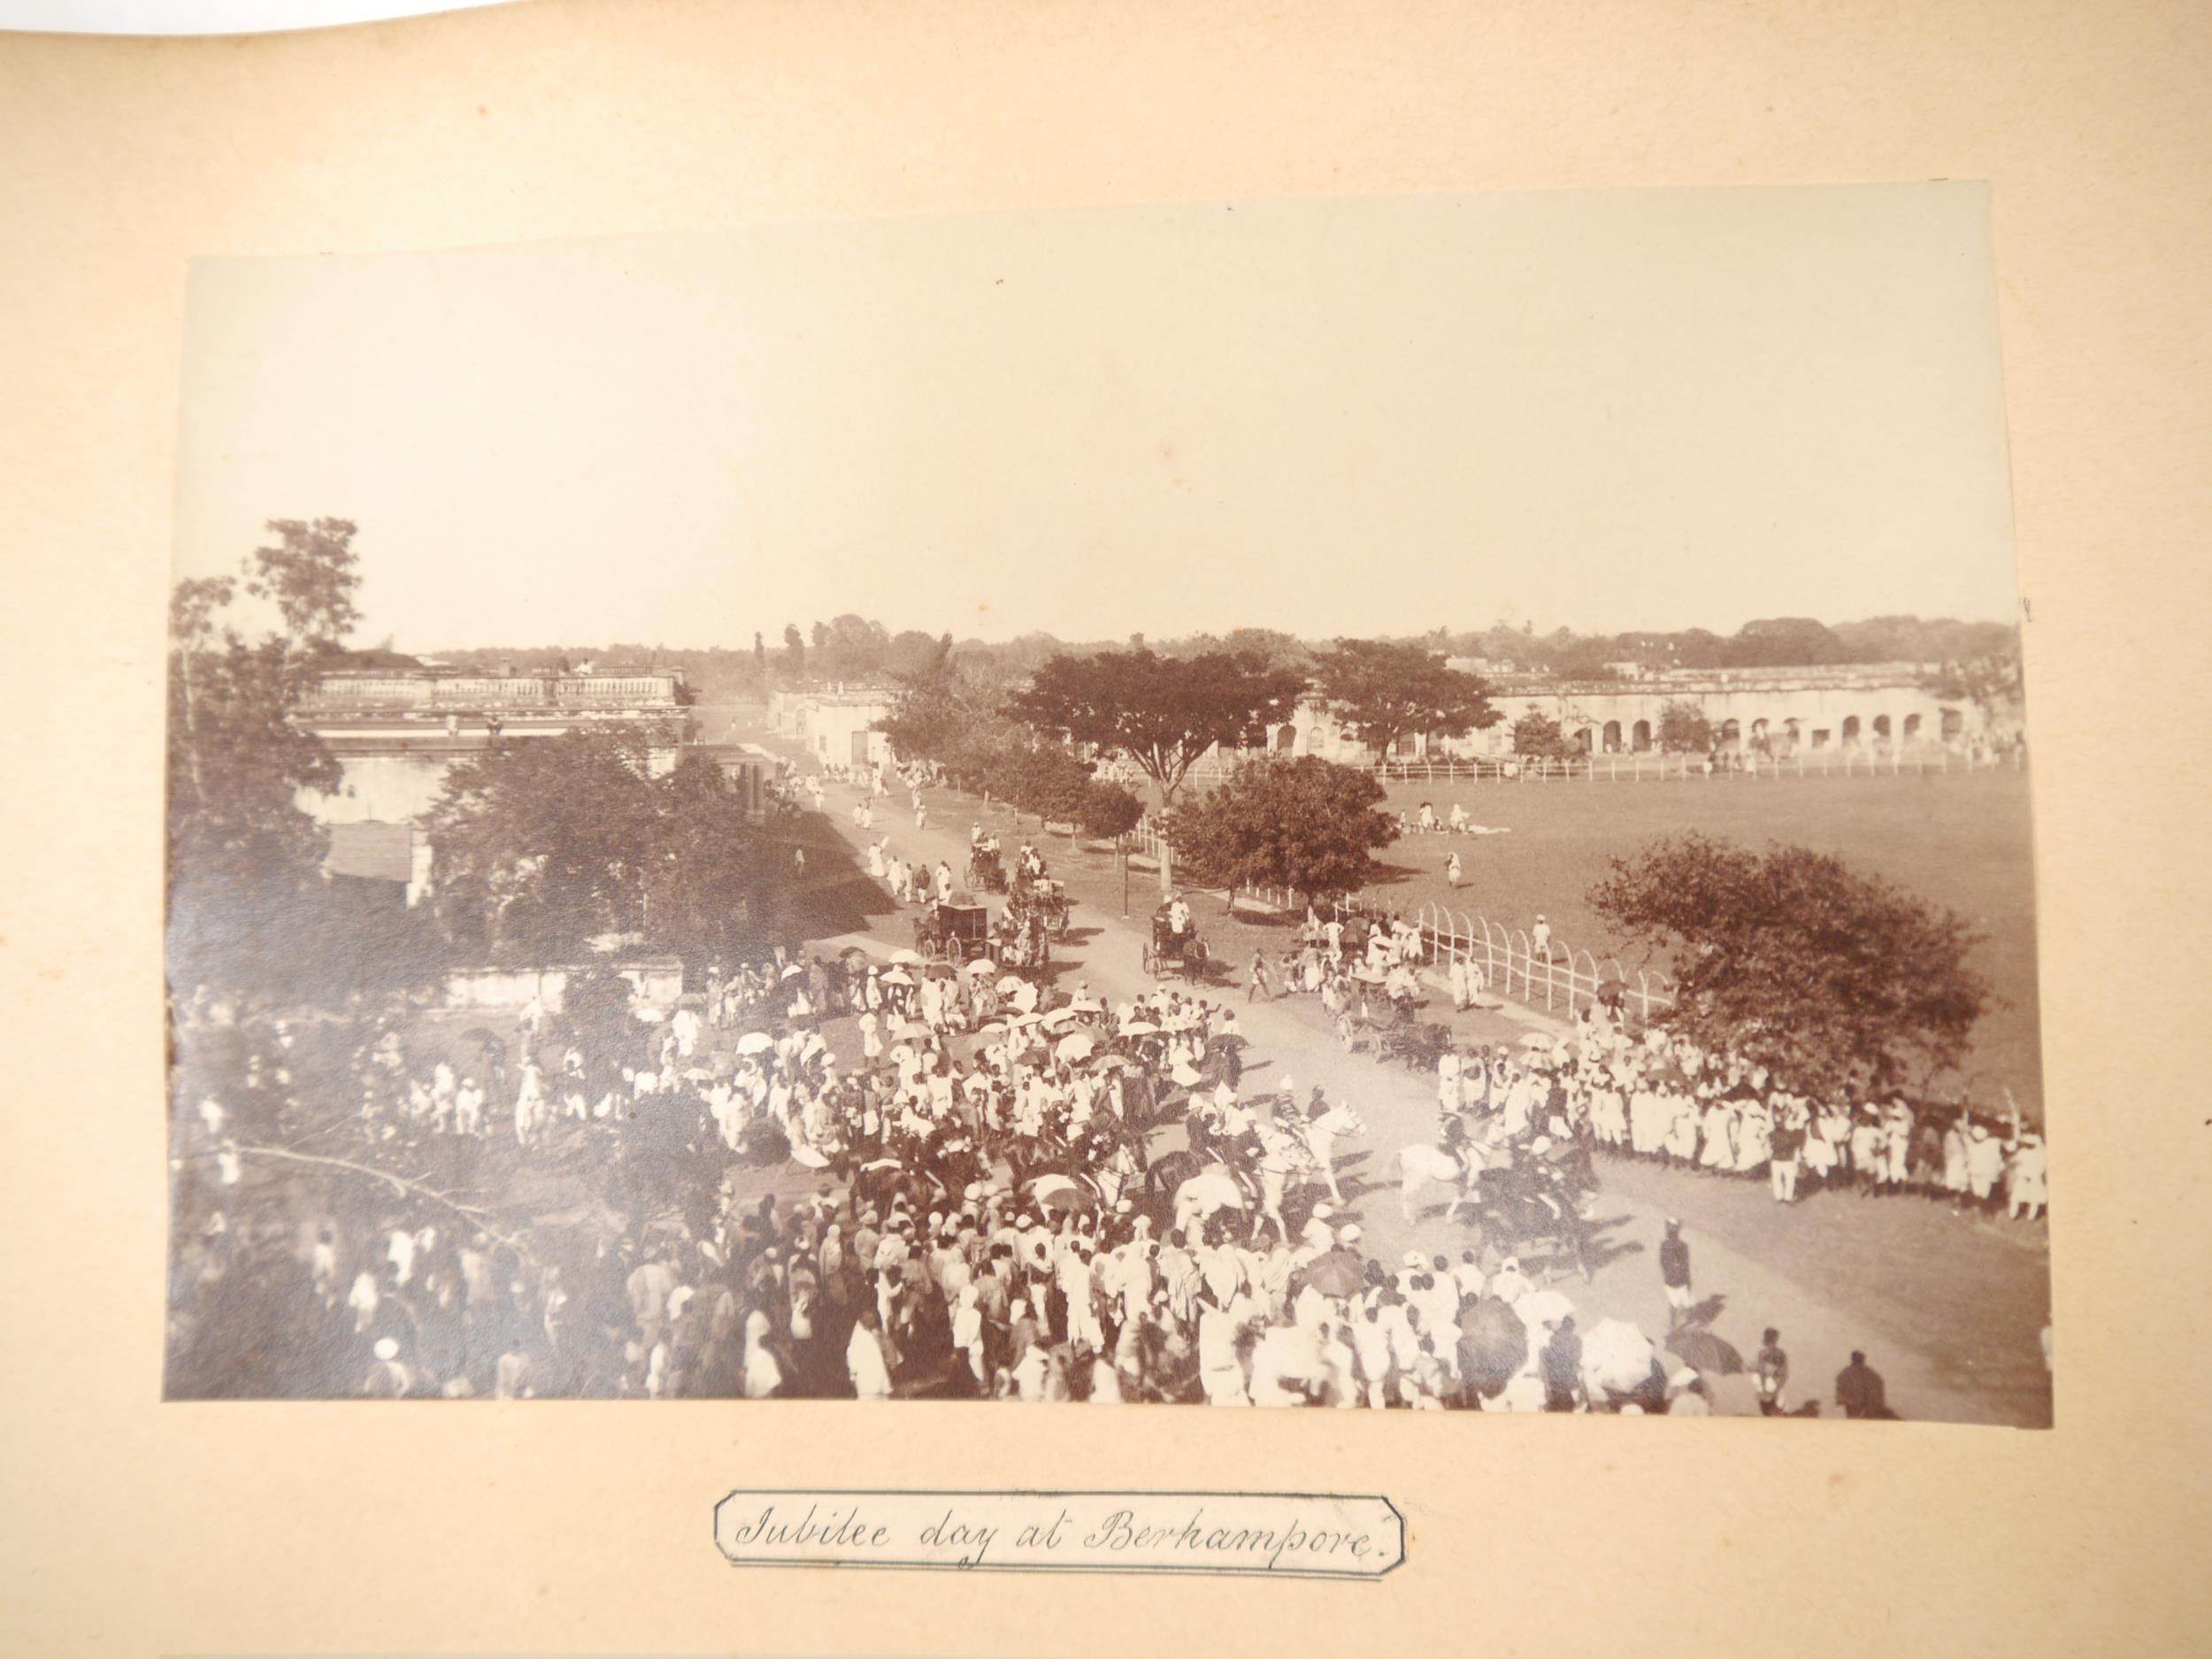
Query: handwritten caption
(1279, 1534)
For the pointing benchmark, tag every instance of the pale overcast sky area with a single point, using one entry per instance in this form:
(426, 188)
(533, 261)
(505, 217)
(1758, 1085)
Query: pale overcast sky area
(1599, 410)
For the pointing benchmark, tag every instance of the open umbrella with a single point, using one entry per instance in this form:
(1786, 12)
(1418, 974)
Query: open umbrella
(754, 1042)
(1536, 1039)
(1208, 1191)
(1079, 1047)
(940, 971)
(1031, 1056)
(980, 966)
(883, 1163)
(809, 1156)
(1541, 1308)
(1706, 1352)
(904, 1029)
(1056, 1192)
(1616, 1357)
(1187, 1075)
(991, 1028)
(1088, 1005)
(898, 975)
(1493, 1347)
(906, 958)
(1060, 1017)
(1009, 984)
(1339, 1273)
(793, 971)
(1139, 1028)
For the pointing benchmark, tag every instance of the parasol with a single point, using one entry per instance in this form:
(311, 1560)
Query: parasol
(1616, 1357)
(906, 958)
(793, 971)
(1139, 1028)
(1088, 1005)
(809, 1156)
(1209, 1191)
(1339, 1273)
(940, 971)
(1536, 1039)
(1079, 1047)
(904, 1029)
(898, 975)
(1493, 1347)
(1009, 984)
(1541, 1308)
(754, 1042)
(1187, 1075)
(1706, 1352)
(1056, 1192)
(1060, 1017)
(980, 966)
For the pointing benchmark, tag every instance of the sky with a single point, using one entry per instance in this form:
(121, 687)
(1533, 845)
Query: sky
(1601, 410)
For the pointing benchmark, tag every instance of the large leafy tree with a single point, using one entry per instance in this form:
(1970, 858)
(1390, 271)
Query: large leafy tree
(1830, 978)
(1163, 713)
(244, 860)
(1306, 825)
(545, 844)
(1684, 729)
(1538, 736)
(1380, 691)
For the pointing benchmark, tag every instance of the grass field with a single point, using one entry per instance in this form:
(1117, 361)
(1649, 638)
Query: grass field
(1961, 839)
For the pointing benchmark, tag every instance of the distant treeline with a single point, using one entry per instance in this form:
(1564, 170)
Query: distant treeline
(852, 647)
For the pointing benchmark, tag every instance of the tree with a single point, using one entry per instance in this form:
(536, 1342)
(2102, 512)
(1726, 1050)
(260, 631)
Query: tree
(545, 844)
(1108, 811)
(1538, 736)
(760, 655)
(1306, 825)
(1830, 979)
(794, 651)
(244, 861)
(1684, 729)
(1163, 713)
(1380, 692)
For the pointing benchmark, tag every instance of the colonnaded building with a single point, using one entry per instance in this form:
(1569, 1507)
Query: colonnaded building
(1878, 708)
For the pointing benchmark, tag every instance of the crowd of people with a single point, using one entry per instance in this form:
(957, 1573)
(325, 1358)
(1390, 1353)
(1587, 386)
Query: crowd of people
(1011, 1192)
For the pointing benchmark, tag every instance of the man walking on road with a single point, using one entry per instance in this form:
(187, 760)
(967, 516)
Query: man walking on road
(1674, 1272)
(1257, 986)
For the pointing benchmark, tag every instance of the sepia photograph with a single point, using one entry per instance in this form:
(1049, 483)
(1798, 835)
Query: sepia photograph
(1413, 803)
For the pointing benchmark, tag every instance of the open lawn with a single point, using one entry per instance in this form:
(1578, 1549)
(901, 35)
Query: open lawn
(1961, 839)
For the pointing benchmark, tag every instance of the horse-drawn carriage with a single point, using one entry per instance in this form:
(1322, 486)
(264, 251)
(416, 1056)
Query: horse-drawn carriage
(987, 870)
(953, 932)
(1168, 954)
(1044, 899)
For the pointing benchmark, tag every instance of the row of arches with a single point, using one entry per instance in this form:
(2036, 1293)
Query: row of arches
(1791, 732)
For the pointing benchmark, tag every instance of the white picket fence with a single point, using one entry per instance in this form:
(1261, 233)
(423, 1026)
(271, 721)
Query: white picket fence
(1560, 979)
(1650, 767)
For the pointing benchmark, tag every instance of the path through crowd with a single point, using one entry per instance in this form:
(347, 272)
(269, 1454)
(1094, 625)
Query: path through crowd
(1739, 1293)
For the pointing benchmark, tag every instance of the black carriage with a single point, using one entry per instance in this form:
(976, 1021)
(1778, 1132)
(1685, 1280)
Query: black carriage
(1171, 955)
(987, 870)
(1049, 900)
(953, 932)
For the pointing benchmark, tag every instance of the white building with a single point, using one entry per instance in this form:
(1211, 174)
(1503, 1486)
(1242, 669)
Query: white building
(835, 726)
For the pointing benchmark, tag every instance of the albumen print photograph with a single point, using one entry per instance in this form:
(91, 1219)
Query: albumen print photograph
(1396, 803)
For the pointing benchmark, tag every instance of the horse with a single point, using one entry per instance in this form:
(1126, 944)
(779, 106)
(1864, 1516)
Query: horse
(1426, 1162)
(1322, 1132)
(1514, 1215)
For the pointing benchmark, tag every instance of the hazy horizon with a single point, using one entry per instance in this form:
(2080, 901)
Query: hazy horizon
(1645, 410)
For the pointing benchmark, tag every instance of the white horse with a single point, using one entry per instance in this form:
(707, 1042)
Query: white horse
(1425, 1163)
(1322, 1133)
